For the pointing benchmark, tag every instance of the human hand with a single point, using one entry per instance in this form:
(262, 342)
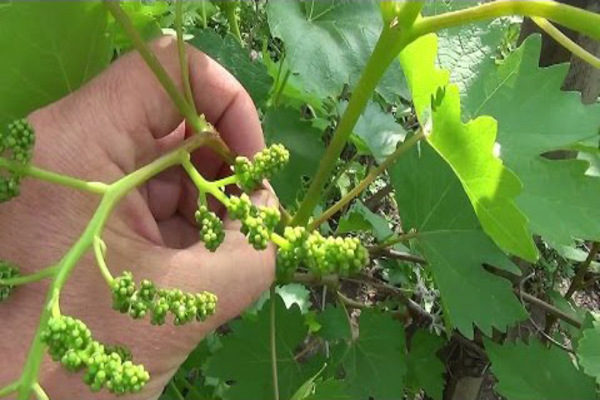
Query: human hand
(115, 124)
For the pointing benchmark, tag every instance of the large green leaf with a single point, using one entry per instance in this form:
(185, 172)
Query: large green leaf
(334, 324)
(469, 150)
(375, 364)
(228, 52)
(283, 125)
(466, 48)
(535, 372)
(588, 352)
(49, 49)
(534, 117)
(245, 358)
(328, 43)
(425, 369)
(432, 201)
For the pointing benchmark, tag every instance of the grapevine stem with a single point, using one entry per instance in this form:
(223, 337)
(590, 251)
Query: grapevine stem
(13, 387)
(273, 344)
(202, 184)
(186, 109)
(230, 13)
(176, 391)
(566, 42)
(392, 241)
(99, 252)
(571, 17)
(390, 43)
(183, 59)
(371, 176)
(577, 281)
(25, 279)
(230, 180)
(53, 177)
(39, 392)
(350, 302)
(203, 13)
(115, 192)
(286, 78)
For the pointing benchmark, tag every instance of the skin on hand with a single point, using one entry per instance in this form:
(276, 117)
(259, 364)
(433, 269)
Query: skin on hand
(115, 124)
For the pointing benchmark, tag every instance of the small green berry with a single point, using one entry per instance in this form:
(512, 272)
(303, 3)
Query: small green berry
(211, 228)
(265, 163)
(7, 271)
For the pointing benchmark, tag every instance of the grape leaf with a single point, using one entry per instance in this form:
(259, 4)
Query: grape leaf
(534, 372)
(334, 324)
(245, 358)
(377, 133)
(228, 52)
(49, 49)
(469, 150)
(328, 43)
(375, 364)
(330, 389)
(425, 369)
(536, 117)
(144, 17)
(431, 200)
(360, 218)
(283, 125)
(466, 48)
(588, 352)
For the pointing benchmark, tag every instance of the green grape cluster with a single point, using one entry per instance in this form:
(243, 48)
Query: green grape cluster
(16, 144)
(291, 256)
(7, 271)
(211, 228)
(148, 299)
(258, 223)
(267, 162)
(70, 342)
(321, 255)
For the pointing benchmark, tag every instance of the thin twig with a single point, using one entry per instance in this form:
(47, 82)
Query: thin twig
(183, 59)
(350, 302)
(393, 241)
(548, 308)
(398, 255)
(376, 198)
(273, 344)
(371, 176)
(152, 61)
(577, 282)
(566, 42)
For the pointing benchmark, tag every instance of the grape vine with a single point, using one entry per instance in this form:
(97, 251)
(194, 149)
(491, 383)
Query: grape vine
(492, 194)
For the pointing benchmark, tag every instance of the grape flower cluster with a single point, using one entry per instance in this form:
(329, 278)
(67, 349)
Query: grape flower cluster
(16, 144)
(148, 299)
(7, 271)
(258, 223)
(70, 342)
(321, 255)
(267, 162)
(211, 228)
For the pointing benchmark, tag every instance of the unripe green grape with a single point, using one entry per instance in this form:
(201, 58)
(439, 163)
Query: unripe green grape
(16, 144)
(123, 288)
(258, 223)
(321, 255)
(7, 271)
(250, 174)
(211, 228)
